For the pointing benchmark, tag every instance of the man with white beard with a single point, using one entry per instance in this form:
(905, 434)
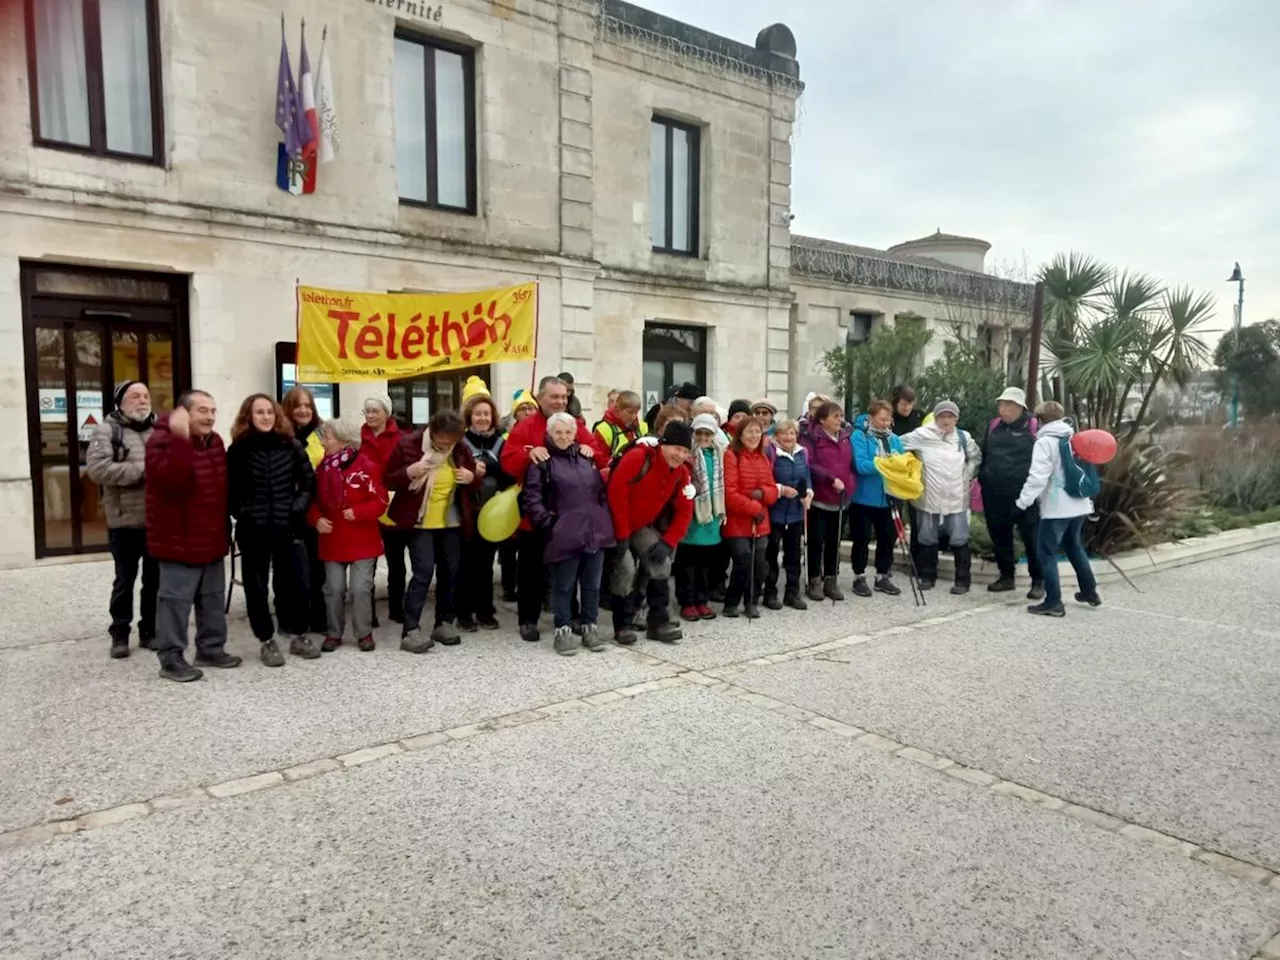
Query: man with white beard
(116, 461)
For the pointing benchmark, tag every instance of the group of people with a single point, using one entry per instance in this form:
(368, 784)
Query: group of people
(733, 506)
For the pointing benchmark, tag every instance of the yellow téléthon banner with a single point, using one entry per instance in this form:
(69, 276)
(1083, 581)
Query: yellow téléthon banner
(348, 336)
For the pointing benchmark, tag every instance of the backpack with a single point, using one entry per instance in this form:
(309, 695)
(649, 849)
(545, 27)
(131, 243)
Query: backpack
(1033, 425)
(1079, 479)
(627, 448)
(118, 452)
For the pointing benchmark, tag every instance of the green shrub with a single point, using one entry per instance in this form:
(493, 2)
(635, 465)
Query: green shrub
(1241, 471)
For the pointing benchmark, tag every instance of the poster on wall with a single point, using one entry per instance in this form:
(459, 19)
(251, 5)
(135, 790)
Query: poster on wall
(345, 336)
(323, 392)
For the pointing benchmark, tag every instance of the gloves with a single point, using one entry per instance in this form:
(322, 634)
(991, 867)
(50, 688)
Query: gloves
(757, 494)
(660, 552)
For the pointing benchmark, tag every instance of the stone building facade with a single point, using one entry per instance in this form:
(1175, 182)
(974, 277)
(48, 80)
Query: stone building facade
(636, 167)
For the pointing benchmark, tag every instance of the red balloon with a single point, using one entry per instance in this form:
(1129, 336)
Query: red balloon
(1094, 446)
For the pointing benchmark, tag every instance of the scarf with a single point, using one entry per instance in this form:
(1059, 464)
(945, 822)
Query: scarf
(432, 460)
(330, 484)
(708, 502)
(881, 437)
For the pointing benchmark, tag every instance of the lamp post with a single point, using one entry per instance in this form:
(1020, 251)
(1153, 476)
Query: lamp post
(1237, 277)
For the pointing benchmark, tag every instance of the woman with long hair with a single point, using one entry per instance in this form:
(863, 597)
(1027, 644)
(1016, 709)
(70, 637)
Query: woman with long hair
(750, 490)
(270, 486)
(299, 405)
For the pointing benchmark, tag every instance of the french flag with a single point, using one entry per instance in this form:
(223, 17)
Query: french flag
(296, 171)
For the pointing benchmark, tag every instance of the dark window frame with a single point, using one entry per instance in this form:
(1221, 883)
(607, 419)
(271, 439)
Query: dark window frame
(695, 186)
(97, 146)
(658, 347)
(468, 54)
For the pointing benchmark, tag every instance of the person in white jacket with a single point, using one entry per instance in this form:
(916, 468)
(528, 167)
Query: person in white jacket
(1062, 516)
(951, 459)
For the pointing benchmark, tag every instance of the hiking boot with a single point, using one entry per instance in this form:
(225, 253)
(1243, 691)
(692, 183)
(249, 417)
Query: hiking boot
(270, 654)
(690, 614)
(146, 643)
(1092, 599)
(665, 633)
(625, 638)
(927, 584)
(301, 646)
(1003, 585)
(120, 649)
(752, 611)
(330, 644)
(963, 556)
(529, 632)
(367, 644)
(179, 671)
(885, 584)
(793, 601)
(488, 623)
(467, 624)
(566, 644)
(1037, 590)
(415, 641)
(814, 590)
(860, 587)
(772, 602)
(220, 660)
(959, 589)
(591, 638)
(1048, 610)
(706, 613)
(731, 611)
(446, 634)
(831, 589)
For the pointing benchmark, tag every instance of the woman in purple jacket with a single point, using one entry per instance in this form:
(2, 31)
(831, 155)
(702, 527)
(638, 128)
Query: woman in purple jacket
(564, 498)
(831, 466)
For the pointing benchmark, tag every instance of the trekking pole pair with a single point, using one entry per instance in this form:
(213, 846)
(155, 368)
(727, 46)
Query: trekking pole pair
(913, 577)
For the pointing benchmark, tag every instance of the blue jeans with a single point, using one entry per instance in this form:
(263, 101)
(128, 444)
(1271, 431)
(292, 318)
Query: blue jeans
(1063, 534)
(432, 553)
(585, 569)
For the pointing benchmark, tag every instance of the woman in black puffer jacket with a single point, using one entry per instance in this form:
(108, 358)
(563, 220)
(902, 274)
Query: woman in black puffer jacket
(271, 484)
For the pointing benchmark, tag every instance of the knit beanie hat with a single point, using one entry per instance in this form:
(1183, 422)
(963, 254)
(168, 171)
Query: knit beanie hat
(474, 387)
(523, 398)
(739, 406)
(121, 389)
(946, 406)
(705, 421)
(379, 400)
(677, 433)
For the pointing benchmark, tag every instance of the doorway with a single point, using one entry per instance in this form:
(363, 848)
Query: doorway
(673, 355)
(414, 399)
(84, 331)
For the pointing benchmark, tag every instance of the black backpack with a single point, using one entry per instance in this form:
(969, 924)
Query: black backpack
(627, 448)
(118, 451)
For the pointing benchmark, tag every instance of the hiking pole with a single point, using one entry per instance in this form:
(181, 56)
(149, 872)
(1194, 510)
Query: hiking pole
(839, 541)
(751, 583)
(913, 578)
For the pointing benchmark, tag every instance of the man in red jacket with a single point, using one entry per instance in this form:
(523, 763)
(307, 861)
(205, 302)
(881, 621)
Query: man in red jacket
(187, 523)
(527, 444)
(651, 498)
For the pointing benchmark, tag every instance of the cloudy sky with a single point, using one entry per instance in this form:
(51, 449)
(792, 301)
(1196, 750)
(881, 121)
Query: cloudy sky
(1144, 133)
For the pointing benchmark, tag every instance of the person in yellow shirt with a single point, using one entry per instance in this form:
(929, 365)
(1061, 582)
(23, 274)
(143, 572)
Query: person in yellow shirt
(435, 478)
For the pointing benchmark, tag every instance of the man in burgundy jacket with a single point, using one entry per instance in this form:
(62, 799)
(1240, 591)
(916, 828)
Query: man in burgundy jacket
(527, 444)
(187, 533)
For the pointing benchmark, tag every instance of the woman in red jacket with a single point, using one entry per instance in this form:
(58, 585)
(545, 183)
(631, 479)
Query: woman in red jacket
(749, 491)
(349, 500)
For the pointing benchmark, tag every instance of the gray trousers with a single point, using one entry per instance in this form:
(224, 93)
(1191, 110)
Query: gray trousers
(335, 596)
(956, 525)
(182, 586)
(634, 559)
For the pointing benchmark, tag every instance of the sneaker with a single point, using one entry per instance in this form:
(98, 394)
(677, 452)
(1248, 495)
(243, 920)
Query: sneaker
(301, 646)
(959, 589)
(732, 612)
(529, 632)
(794, 601)
(706, 613)
(367, 644)
(814, 590)
(885, 584)
(690, 614)
(220, 660)
(330, 644)
(1003, 585)
(565, 643)
(591, 638)
(1092, 599)
(119, 649)
(860, 587)
(626, 638)
(415, 641)
(270, 654)
(488, 623)
(666, 633)
(1047, 610)
(1037, 590)
(446, 634)
(752, 611)
(179, 671)
(467, 624)
(773, 603)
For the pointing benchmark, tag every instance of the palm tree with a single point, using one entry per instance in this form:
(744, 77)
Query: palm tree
(1175, 350)
(1074, 290)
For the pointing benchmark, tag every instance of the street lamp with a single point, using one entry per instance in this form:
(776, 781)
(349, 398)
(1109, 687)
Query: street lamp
(1237, 277)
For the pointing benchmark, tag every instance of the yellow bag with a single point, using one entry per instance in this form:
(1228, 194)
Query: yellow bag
(500, 517)
(903, 475)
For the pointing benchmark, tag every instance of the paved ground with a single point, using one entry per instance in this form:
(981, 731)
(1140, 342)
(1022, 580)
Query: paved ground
(866, 780)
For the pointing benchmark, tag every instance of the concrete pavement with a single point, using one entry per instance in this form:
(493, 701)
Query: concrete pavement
(1101, 786)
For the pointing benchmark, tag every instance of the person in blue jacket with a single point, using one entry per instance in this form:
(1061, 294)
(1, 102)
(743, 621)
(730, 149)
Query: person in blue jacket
(873, 437)
(786, 517)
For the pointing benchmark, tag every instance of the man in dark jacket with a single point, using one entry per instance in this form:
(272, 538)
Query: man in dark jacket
(187, 523)
(116, 461)
(1006, 463)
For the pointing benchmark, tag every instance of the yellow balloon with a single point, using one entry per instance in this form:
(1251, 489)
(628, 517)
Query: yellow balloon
(500, 517)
